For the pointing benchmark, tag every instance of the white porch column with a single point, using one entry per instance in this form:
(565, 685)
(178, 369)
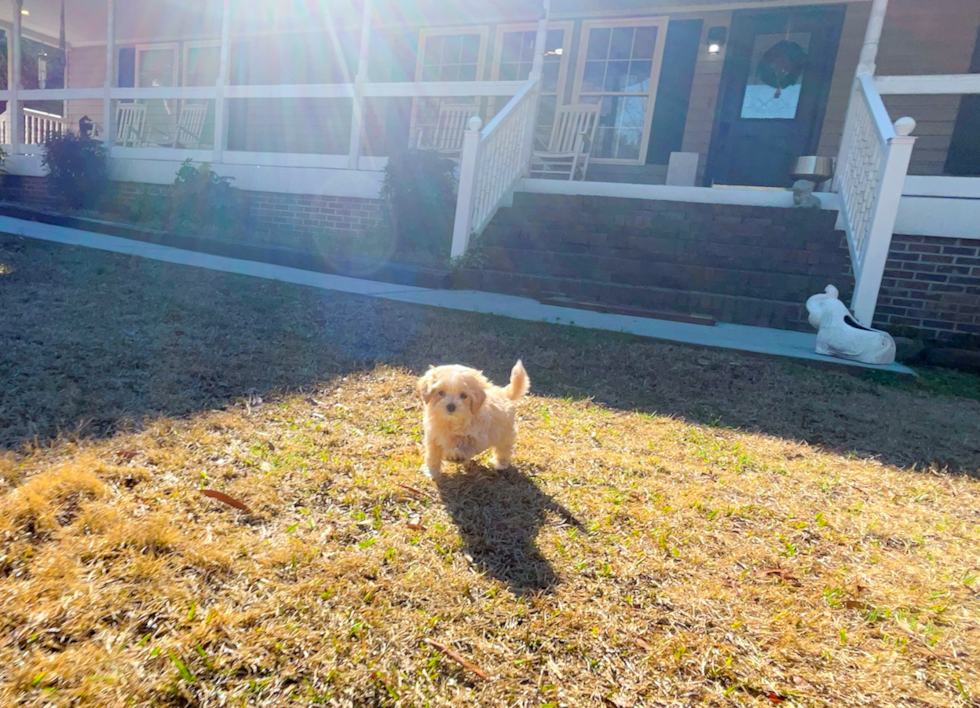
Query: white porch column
(224, 62)
(537, 67)
(872, 37)
(357, 112)
(16, 118)
(108, 116)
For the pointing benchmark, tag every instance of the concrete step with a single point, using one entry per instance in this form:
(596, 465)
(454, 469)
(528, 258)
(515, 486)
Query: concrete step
(641, 272)
(738, 309)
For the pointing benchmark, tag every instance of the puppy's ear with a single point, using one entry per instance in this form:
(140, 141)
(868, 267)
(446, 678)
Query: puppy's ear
(477, 399)
(426, 385)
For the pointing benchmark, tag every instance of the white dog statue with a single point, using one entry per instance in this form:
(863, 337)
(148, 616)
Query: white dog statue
(840, 335)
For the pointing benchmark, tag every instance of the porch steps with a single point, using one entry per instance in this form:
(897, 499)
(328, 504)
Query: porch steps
(738, 264)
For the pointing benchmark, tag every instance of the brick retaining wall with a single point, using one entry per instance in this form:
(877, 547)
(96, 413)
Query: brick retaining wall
(932, 285)
(289, 219)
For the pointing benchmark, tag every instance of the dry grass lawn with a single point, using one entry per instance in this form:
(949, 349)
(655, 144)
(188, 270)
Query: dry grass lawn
(682, 526)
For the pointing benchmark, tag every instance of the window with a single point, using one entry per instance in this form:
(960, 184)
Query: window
(156, 65)
(618, 68)
(446, 54)
(513, 57)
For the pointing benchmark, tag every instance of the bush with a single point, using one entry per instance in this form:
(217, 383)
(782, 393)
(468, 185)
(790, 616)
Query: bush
(203, 198)
(419, 199)
(78, 171)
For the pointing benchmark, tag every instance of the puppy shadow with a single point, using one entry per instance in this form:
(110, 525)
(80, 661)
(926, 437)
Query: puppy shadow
(498, 515)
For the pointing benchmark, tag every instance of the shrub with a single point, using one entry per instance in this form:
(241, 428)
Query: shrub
(78, 171)
(203, 198)
(419, 199)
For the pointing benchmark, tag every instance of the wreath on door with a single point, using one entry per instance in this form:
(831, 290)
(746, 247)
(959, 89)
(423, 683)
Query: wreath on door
(782, 65)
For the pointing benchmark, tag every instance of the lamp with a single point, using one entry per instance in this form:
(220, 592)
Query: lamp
(716, 39)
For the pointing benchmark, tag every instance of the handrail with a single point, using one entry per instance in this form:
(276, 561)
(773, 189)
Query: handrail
(493, 160)
(870, 177)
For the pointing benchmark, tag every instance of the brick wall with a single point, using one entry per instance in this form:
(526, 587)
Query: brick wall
(286, 214)
(287, 219)
(26, 190)
(932, 285)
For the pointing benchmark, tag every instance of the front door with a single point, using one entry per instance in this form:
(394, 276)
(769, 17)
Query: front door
(774, 90)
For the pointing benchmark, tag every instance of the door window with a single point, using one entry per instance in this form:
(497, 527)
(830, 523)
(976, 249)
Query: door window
(776, 75)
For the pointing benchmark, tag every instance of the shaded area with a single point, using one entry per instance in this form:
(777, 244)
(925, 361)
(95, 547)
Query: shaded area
(94, 342)
(498, 515)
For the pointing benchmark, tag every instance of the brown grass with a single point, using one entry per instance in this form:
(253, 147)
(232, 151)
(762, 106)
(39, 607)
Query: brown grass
(683, 526)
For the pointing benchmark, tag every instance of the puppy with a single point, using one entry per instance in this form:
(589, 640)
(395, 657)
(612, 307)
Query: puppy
(465, 414)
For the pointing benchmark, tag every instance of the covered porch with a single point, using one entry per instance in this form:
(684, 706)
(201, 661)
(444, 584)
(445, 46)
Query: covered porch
(301, 100)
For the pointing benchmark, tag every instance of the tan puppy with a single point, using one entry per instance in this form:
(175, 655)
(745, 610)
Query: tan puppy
(465, 414)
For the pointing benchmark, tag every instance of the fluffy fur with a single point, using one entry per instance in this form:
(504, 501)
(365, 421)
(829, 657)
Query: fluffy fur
(465, 414)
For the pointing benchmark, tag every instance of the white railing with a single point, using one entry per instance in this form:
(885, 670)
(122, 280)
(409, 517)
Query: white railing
(493, 160)
(870, 176)
(39, 126)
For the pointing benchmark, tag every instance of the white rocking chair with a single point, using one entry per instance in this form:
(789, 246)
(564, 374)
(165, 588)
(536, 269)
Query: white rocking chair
(130, 119)
(446, 135)
(572, 136)
(190, 125)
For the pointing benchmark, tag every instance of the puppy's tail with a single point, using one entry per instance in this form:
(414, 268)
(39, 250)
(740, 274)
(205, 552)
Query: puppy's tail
(519, 382)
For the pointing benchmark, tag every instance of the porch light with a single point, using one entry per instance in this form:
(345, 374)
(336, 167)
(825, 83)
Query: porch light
(716, 39)
(25, 13)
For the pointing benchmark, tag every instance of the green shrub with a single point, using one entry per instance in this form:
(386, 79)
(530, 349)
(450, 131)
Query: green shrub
(201, 198)
(78, 171)
(419, 200)
(146, 208)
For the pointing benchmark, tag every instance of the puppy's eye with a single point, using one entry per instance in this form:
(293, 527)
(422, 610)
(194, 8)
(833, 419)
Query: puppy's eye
(462, 395)
(442, 393)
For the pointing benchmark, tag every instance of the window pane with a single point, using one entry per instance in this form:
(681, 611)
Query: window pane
(622, 43)
(645, 42)
(202, 66)
(430, 73)
(616, 72)
(467, 72)
(555, 39)
(508, 72)
(594, 73)
(598, 44)
(527, 46)
(510, 50)
(470, 48)
(451, 49)
(631, 110)
(433, 50)
(639, 77)
(156, 67)
(549, 76)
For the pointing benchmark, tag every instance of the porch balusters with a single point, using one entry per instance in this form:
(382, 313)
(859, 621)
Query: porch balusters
(870, 182)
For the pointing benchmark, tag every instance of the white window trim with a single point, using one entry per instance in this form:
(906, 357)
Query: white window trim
(656, 66)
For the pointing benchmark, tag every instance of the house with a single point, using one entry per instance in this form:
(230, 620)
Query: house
(703, 108)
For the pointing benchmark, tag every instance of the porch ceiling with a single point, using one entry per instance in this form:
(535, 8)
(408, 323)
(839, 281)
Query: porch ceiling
(141, 20)
(138, 20)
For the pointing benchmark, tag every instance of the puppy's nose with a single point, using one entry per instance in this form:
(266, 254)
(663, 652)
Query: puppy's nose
(451, 407)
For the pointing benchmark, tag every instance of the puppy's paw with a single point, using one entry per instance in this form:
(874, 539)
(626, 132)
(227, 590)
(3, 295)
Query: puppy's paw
(500, 465)
(429, 471)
